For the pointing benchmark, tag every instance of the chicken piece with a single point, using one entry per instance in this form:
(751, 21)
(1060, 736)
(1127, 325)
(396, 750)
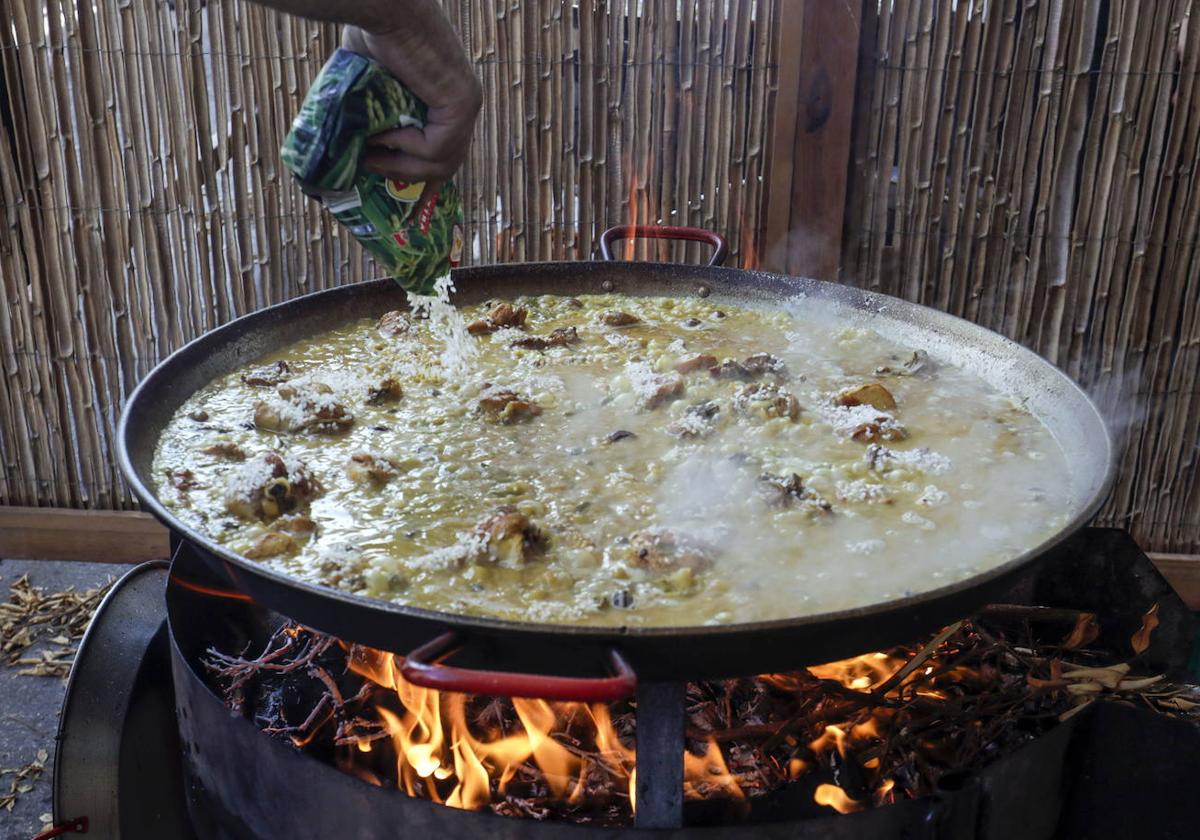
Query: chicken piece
(501, 315)
(265, 488)
(766, 402)
(507, 406)
(731, 369)
(616, 318)
(365, 468)
(385, 391)
(761, 364)
(226, 449)
(507, 315)
(696, 422)
(560, 337)
(272, 544)
(302, 408)
(665, 389)
(182, 480)
(872, 394)
(881, 428)
(919, 361)
(663, 550)
(268, 376)
(653, 389)
(394, 323)
(342, 565)
(296, 523)
(781, 492)
(510, 538)
(701, 361)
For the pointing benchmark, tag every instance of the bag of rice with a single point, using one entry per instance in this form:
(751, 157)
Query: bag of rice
(352, 99)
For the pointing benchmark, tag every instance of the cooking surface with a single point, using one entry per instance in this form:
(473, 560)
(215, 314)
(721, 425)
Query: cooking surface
(590, 481)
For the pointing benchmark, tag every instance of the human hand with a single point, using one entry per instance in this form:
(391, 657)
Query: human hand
(434, 67)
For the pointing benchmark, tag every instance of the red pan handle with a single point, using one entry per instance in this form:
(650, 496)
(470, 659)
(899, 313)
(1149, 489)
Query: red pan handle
(691, 234)
(421, 668)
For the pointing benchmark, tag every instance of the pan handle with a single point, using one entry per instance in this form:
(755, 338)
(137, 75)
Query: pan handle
(691, 234)
(421, 668)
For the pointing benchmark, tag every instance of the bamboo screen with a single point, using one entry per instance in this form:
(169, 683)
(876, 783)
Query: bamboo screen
(144, 202)
(1032, 166)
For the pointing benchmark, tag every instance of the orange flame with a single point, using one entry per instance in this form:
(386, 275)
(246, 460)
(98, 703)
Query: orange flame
(748, 246)
(631, 242)
(836, 798)
(231, 594)
(440, 758)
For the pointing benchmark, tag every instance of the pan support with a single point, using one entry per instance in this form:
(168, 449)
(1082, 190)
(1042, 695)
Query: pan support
(660, 745)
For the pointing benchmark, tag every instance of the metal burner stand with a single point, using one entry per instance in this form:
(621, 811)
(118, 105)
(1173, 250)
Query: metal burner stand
(135, 769)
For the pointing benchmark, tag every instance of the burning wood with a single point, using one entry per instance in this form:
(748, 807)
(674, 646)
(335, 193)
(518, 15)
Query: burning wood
(858, 733)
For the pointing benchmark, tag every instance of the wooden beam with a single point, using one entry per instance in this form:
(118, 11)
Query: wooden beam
(789, 38)
(811, 137)
(821, 152)
(88, 535)
(1182, 571)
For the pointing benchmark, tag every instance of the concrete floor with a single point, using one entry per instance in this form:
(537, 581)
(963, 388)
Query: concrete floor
(29, 706)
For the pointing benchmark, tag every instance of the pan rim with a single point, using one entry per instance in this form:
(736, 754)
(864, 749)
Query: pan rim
(879, 303)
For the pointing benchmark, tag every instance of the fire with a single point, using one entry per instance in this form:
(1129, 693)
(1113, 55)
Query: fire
(836, 798)
(862, 673)
(631, 242)
(203, 589)
(442, 757)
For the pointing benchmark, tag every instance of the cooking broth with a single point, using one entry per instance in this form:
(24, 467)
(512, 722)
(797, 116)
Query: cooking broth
(616, 460)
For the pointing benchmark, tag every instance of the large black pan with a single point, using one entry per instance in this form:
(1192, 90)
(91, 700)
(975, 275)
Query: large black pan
(653, 653)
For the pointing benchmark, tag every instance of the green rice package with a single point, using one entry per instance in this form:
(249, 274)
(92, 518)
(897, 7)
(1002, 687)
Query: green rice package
(352, 99)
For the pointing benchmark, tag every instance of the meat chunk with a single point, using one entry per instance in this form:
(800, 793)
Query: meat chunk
(872, 394)
(561, 337)
(761, 364)
(272, 544)
(266, 487)
(394, 323)
(617, 318)
(778, 491)
(310, 407)
(296, 523)
(507, 315)
(751, 368)
(881, 428)
(385, 391)
(653, 389)
(701, 361)
(268, 376)
(226, 449)
(376, 470)
(182, 480)
(919, 361)
(764, 401)
(510, 538)
(696, 422)
(508, 406)
(501, 315)
(730, 369)
(664, 550)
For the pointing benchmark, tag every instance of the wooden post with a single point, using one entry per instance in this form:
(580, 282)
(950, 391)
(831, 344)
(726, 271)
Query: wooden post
(806, 199)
